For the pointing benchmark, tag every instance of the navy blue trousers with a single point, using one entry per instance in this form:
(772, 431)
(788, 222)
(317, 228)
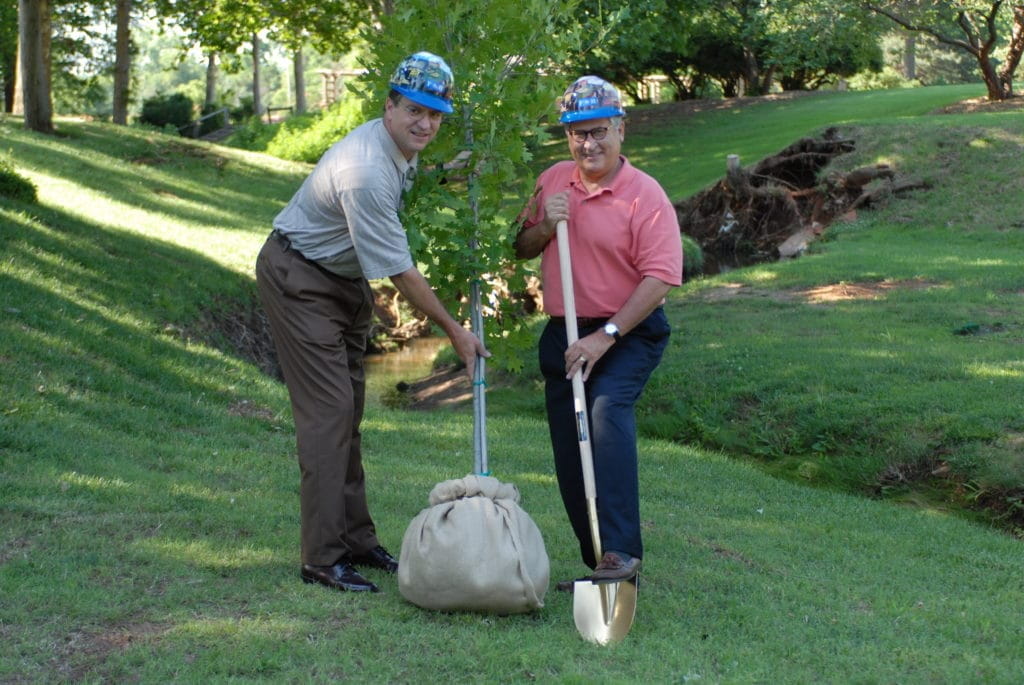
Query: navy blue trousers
(612, 391)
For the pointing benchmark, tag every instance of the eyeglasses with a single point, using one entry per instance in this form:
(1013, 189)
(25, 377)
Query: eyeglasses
(417, 112)
(580, 135)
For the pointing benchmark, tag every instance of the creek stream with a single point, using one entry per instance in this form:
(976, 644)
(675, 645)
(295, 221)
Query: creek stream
(410, 363)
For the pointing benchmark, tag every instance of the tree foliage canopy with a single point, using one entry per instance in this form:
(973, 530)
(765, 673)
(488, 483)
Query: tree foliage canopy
(505, 57)
(733, 46)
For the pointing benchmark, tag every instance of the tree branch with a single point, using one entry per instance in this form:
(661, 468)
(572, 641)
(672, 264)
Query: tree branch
(927, 30)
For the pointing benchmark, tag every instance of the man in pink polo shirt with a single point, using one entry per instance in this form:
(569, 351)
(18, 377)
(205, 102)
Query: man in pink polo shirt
(626, 256)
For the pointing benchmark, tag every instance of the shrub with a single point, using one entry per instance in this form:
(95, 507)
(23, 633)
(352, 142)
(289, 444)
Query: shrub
(253, 135)
(174, 109)
(302, 137)
(243, 111)
(693, 257)
(885, 79)
(305, 139)
(15, 186)
(215, 122)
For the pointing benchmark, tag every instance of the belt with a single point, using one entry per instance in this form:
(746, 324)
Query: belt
(583, 321)
(286, 245)
(281, 238)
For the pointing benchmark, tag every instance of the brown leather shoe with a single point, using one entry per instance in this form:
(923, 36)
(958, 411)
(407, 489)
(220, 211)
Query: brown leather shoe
(616, 567)
(378, 557)
(341, 576)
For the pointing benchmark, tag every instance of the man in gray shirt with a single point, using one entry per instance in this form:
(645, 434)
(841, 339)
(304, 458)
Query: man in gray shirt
(340, 229)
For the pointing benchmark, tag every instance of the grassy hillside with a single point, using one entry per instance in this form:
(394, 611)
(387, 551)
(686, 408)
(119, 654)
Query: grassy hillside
(148, 499)
(889, 356)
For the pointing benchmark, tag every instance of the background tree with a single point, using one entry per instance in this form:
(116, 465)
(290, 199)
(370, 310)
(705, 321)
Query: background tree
(221, 28)
(122, 61)
(628, 40)
(507, 60)
(84, 57)
(330, 26)
(34, 38)
(738, 46)
(973, 26)
(813, 43)
(8, 51)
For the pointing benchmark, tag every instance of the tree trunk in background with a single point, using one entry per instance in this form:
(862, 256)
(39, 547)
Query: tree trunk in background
(988, 73)
(211, 82)
(257, 96)
(910, 57)
(8, 62)
(300, 82)
(122, 62)
(34, 38)
(15, 104)
(1013, 52)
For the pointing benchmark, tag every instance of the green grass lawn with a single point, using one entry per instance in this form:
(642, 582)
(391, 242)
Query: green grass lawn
(148, 485)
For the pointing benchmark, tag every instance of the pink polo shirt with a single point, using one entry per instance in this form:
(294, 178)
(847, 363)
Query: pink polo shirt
(617, 236)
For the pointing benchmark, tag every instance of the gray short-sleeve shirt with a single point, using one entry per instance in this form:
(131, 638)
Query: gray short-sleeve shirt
(345, 214)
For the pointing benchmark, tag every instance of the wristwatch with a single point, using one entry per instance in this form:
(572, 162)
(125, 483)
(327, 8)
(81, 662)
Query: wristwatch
(612, 330)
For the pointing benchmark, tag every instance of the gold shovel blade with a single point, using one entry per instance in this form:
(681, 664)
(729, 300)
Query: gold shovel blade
(604, 612)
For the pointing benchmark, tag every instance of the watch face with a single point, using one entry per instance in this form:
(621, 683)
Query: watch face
(611, 329)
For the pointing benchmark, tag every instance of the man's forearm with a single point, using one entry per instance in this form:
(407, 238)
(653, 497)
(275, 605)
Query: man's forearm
(531, 241)
(649, 294)
(417, 291)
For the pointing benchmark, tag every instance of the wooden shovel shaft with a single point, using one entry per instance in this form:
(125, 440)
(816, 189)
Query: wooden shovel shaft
(578, 393)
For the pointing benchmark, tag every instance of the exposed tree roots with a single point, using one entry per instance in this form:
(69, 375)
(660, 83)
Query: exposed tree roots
(779, 206)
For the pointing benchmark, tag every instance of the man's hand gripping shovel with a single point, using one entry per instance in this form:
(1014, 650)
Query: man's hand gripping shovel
(603, 611)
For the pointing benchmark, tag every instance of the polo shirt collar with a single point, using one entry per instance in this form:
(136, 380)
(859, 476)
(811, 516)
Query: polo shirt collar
(406, 167)
(623, 178)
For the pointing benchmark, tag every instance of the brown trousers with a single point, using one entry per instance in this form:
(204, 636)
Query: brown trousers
(320, 322)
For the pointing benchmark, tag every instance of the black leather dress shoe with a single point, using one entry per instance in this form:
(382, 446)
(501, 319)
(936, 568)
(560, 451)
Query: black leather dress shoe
(378, 557)
(341, 576)
(616, 567)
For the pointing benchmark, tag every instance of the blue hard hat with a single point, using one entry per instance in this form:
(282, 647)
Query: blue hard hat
(426, 79)
(590, 97)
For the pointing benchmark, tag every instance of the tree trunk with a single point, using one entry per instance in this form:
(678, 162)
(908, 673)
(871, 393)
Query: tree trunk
(988, 73)
(8, 60)
(767, 80)
(34, 38)
(257, 96)
(300, 82)
(122, 62)
(751, 73)
(1013, 52)
(211, 82)
(910, 57)
(15, 104)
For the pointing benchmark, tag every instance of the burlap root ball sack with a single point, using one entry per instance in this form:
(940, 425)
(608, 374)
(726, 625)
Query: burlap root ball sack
(474, 549)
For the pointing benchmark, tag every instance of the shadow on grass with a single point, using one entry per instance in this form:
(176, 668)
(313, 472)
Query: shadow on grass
(159, 173)
(97, 377)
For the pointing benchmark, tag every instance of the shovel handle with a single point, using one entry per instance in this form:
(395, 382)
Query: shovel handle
(578, 393)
